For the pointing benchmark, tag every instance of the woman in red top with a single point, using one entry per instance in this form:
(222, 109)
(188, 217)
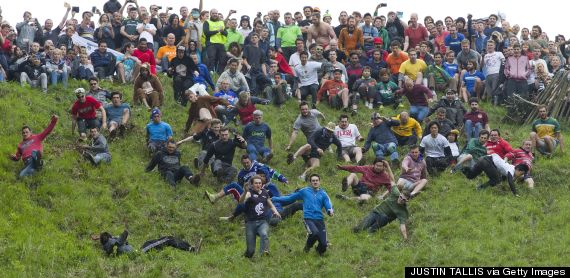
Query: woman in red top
(246, 106)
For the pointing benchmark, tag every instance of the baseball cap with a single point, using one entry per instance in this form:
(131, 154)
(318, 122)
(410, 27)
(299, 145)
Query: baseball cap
(181, 47)
(377, 40)
(375, 115)
(155, 111)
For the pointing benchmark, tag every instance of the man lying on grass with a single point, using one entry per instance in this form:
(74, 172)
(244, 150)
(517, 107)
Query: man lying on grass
(395, 206)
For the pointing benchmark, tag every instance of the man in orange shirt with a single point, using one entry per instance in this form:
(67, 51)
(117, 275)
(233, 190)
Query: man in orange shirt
(337, 92)
(351, 37)
(166, 53)
(395, 59)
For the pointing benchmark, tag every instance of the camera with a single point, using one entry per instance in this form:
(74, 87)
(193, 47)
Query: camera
(159, 7)
(383, 5)
(93, 9)
(75, 9)
(169, 8)
(258, 14)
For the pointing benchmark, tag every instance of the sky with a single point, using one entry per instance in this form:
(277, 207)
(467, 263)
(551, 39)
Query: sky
(547, 16)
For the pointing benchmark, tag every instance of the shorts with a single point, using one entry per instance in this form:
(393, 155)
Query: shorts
(349, 150)
(360, 189)
(541, 145)
(408, 185)
(314, 154)
(335, 101)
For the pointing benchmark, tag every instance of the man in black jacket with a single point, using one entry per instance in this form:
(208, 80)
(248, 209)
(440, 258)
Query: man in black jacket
(182, 70)
(454, 109)
(169, 166)
(223, 150)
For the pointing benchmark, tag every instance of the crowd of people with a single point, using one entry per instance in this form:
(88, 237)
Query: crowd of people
(369, 60)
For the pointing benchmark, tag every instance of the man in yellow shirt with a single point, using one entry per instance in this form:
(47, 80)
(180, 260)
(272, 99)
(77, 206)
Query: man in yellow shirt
(412, 68)
(166, 53)
(408, 131)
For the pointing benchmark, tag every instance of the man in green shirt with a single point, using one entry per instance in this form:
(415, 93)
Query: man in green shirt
(438, 78)
(545, 135)
(395, 206)
(233, 34)
(473, 151)
(287, 36)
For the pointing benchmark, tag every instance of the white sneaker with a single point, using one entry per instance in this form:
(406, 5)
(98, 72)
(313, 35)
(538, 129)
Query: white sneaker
(366, 103)
(224, 218)
(302, 177)
(370, 105)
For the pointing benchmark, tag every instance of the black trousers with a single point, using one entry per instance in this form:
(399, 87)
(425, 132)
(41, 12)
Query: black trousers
(484, 164)
(179, 85)
(172, 177)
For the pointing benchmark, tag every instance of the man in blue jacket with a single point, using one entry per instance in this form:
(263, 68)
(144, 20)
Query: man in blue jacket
(314, 200)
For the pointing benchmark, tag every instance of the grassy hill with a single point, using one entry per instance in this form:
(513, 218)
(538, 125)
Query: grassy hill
(46, 221)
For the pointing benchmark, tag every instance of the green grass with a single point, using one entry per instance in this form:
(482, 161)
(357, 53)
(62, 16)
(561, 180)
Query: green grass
(46, 221)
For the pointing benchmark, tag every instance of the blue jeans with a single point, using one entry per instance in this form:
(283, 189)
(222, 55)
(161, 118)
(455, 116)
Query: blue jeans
(102, 157)
(253, 150)
(30, 165)
(389, 148)
(316, 231)
(309, 90)
(55, 76)
(252, 229)
(164, 64)
(472, 130)
(419, 112)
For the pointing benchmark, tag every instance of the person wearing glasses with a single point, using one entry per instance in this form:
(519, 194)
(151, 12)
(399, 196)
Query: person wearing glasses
(314, 200)
(84, 113)
(394, 207)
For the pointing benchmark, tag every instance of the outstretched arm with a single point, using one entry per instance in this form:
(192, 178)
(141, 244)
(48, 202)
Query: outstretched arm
(404, 231)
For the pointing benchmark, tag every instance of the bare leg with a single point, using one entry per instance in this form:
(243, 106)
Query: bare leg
(313, 164)
(418, 186)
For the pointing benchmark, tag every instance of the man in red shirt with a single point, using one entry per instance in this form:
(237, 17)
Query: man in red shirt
(523, 155)
(475, 120)
(84, 113)
(337, 92)
(145, 55)
(498, 145)
(415, 33)
(373, 177)
(30, 149)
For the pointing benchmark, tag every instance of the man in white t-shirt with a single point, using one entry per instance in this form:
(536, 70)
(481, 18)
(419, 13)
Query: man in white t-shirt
(348, 134)
(496, 169)
(492, 65)
(435, 148)
(307, 73)
(146, 30)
